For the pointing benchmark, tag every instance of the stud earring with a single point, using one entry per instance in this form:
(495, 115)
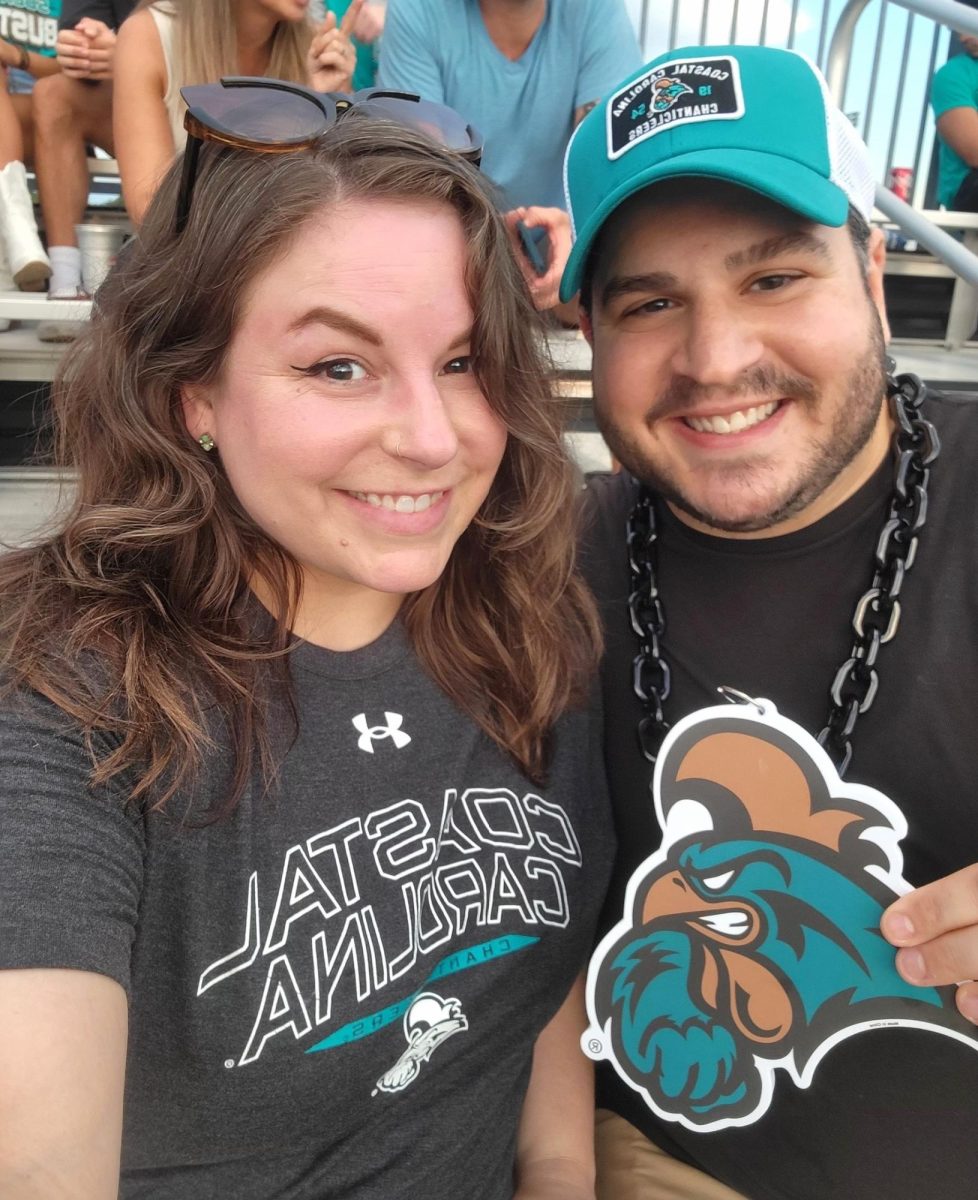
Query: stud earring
(206, 442)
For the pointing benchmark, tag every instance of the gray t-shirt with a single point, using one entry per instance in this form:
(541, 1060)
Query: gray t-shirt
(335, 992)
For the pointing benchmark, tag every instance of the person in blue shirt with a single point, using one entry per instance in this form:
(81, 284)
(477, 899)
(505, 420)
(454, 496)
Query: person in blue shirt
(524, 73)
(954, 98)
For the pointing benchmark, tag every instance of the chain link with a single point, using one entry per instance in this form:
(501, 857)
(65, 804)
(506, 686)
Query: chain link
(877, 614)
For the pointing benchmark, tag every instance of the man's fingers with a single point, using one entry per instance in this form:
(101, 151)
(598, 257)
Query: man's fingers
(935, 909)
(951, 958)
(350, 17)
(967, 1001)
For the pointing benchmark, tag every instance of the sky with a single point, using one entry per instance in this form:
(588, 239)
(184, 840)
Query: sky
(884, 110)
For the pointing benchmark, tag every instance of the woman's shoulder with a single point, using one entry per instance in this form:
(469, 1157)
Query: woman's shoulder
(143, 31)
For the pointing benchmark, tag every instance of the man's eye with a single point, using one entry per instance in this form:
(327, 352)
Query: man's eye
(339, 370)
(458, 366)
(659, 304)
(772, 283)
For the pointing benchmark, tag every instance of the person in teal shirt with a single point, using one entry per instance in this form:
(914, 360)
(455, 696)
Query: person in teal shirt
(954, 98)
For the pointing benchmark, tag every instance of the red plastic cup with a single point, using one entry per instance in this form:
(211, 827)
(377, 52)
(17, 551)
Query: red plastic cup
(901, 182)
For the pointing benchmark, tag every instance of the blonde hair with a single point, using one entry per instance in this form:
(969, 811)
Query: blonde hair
(206, 43)
(147, 574)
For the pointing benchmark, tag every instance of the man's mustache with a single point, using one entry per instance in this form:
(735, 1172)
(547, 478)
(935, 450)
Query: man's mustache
(760, 383)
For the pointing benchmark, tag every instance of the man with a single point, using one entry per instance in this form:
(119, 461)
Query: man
(732, 292)
(954, 99)
(524, 73)
(73, 110)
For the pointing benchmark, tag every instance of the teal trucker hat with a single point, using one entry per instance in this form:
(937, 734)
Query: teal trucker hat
(756, 116)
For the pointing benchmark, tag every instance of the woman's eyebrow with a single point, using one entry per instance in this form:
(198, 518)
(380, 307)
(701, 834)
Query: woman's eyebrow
(322, 314)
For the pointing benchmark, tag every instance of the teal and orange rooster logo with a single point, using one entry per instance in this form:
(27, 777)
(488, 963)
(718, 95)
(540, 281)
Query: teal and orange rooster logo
(666, 91)
(750, 941)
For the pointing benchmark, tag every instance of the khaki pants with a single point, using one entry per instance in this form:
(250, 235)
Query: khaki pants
(630, 1167)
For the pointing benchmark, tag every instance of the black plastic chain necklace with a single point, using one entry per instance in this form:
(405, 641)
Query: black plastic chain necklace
(877, 614)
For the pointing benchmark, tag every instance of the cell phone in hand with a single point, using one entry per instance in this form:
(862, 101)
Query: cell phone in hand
(536, 247)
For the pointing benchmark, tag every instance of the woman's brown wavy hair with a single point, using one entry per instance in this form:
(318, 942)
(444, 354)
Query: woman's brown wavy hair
(145, 577)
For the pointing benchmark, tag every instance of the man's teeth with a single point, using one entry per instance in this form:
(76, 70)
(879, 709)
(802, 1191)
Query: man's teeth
(401, 504)
(734, 422)
(735, 923)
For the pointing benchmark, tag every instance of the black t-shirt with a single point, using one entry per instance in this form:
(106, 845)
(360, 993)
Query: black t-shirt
(112, 12)
(891, 1113)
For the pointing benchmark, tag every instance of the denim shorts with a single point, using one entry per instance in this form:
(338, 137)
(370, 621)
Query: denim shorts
(19, 83)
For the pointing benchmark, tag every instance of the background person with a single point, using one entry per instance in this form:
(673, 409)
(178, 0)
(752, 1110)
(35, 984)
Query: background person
(169, 44)
(954, 99)
(365, 35)
(308, 920)
(26, 40)
(523, 72)
(73, 110)
(733, 295)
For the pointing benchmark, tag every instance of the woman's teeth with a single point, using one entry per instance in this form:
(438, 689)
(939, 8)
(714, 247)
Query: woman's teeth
(735, 422)
(401, 504)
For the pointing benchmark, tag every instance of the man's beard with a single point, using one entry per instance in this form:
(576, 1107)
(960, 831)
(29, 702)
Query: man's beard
(852, 426)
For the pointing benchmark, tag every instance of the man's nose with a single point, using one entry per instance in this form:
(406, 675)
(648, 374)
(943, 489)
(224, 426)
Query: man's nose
(718, 344)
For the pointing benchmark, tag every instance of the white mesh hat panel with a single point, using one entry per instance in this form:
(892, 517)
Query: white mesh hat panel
(851, 168)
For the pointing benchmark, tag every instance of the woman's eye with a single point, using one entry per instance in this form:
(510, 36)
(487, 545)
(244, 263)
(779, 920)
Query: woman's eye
(458, 366)
(339, 370)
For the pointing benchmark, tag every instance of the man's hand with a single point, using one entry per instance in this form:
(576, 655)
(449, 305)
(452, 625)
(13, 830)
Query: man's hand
(936, 931)
(543, 288)
(332, 56)
(87, 51)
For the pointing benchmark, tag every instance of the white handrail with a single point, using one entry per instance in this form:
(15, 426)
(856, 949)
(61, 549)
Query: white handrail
(960, 18)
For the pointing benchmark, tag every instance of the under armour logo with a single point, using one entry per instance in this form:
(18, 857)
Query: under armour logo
(376, 733)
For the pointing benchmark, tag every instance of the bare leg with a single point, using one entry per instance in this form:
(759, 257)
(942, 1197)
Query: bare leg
(68, 113)
(11, 131)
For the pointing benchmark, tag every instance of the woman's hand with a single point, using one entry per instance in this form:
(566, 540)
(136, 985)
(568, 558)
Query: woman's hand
(87, 51)
(332, 55)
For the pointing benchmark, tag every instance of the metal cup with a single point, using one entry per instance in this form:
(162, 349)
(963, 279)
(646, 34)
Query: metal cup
(99, 245)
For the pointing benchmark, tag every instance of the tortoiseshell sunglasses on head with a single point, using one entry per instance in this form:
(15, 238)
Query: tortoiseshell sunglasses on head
(273, 116)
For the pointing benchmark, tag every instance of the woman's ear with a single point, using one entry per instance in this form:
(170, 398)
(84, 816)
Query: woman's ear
(198, 412)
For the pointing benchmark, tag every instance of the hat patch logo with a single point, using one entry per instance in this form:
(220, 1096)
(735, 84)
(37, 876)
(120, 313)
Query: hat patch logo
(749, 944)
(679, 92)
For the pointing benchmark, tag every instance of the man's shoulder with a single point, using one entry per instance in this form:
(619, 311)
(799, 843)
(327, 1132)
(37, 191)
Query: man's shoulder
(955, 415)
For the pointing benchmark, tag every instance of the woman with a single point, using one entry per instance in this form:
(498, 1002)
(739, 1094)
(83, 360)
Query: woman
(23, 262)
(167, 44)
(312, 915)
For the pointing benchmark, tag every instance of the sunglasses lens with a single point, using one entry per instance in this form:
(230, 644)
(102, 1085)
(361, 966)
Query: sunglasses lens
(442, 124)
(258, 114)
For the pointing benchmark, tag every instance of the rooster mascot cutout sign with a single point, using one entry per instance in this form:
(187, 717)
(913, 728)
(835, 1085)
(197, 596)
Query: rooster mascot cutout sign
(750, 943)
